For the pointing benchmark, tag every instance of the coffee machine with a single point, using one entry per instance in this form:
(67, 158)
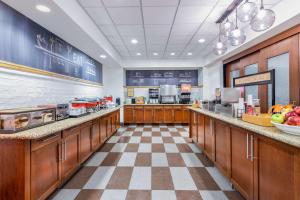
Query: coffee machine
(168, 94)
(185, 94)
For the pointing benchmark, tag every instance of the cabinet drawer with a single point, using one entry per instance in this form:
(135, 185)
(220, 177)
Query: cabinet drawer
(39, 143)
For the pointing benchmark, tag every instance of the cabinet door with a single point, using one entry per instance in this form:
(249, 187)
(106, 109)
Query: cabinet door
(108, 126)
(168, 114)
(193, 126)
(185, 115)
(178, 114)
(70, 151)
(85, 141)
(128, 114)
(113, 122)
(139, 114)
(222, 147)
(103, 134)
(276, 170)
(45, 171)
(209, 138)
(95, 134)
(118, 119)
(200, 132)
(158, 114)
(242, 170)
(148, 114)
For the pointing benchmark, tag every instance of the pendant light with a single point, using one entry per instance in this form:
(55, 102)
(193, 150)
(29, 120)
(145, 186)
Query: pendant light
(226, 28)
(247, 11)
(237, 36)
(219, 48)
(263, 20)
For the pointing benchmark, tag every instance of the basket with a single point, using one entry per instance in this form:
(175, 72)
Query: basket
(260, 120)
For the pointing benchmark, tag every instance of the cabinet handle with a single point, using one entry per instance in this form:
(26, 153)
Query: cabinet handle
(65, 156)
(247, 147)
(251, 146)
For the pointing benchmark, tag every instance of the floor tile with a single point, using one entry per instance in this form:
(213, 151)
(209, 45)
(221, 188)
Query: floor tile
(120, 178)
(191, 160)
(164, 129)
(168, 140)
(147, 129)
(143, 159)
(156, 134)
(179, 140)
(146, 139)
(222, 182)
(157, 140)
(124, 139)
(182, 179)
(138, 195)
(184, 134)
(194, 148)
(173, 129)
(66, 194)
(127, 159)
(175, 160)
(119, 147)
(89, 195)
(111, 159)
(213, 195)
(139, 129)
(175, 134)
(135, 140)
(127, 133)
(155, 129)
(159, 160)
(100, 178)
(233, 195)
(145, 148)
(163, 195)
(147, 134)
(184, 148)
(96, 159)
(141, 179)
(205, 161)
(180, 129)
(161, 179)
(158, 148)
(114, 195)
(171, 148)
(113, 139)
(80, 178)
(188, 195)
(137, 133)
(106, 147)
(132, 148)
(203, 179)
(165, 134)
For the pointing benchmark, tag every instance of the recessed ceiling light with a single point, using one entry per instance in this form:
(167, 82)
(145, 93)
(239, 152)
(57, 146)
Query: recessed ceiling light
(134, 41)
(172, 54)
(202, 40)
(138, 54)
(189, 53)
(43, 8)
(155, 54)
(103, 56)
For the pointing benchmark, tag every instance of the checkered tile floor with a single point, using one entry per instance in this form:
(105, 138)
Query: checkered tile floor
(148, 162)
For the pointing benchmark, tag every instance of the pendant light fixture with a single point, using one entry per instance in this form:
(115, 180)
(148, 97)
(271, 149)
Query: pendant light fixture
(263, 20)
(237, 36)
(219, 48)
(226, 28)
(247, 11)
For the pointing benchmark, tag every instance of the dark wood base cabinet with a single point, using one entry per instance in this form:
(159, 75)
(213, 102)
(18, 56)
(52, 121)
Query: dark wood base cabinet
(33, 169)
(259, 168)
(155, 114)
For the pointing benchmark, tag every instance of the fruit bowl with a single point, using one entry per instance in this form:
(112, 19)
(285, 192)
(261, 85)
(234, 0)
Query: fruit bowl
(294, 130)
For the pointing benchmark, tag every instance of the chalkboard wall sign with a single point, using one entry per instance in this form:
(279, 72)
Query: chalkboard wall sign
(25, 45)
(161, 77)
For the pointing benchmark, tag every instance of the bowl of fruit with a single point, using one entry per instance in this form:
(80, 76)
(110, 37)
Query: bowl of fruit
(288, 120)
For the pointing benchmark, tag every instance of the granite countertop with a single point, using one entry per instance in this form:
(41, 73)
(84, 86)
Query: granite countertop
(270, 132)
(158, 104)
(46, 130)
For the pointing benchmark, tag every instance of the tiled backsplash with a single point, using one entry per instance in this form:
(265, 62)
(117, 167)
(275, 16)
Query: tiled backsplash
(19, 89)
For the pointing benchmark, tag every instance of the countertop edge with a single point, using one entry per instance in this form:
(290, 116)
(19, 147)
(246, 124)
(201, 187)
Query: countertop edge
(270, 132)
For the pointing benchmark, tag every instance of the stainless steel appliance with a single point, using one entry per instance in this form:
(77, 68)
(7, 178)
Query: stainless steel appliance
(229, 96)
(62, 111)
(168, 94)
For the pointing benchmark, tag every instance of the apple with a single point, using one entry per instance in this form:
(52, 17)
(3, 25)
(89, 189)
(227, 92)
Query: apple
(278, 118)
(290, 114)
(294, 121)
(297, 110)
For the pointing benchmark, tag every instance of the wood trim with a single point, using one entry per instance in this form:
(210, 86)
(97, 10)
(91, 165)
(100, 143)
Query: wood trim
(281, 36)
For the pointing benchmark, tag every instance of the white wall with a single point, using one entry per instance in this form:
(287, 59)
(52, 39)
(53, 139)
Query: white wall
(212, 79)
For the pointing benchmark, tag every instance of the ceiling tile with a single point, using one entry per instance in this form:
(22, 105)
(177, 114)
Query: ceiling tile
(126, 15)
(127, 40)
(156, 40)
(90, 3)
(206, 28)
(155, 48)
(159, 15)
(109, 30)
(175, 47)
(198, 2)
(99, 15)
(184, 29)
(121, 3)
(116, 41)
(179, 39)
(131, 30)
(157, 30)
(160, 2)
(189, 14)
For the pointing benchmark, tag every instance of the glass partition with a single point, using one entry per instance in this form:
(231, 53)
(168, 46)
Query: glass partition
(234, 74)
(251, 69)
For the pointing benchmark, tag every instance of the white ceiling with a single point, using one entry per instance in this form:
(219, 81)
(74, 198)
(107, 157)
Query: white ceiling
(161, 26)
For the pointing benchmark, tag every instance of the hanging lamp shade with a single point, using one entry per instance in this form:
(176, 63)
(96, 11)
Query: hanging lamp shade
(263, 20)
(226, 28)
(220, 47)
(246, 11)
(237, 36)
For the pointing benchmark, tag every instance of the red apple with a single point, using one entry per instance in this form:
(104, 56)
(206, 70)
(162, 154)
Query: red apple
(290, 114)
(294, 121)
(297, 110)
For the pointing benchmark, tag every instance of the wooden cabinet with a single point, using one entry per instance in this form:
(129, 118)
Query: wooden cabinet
(158, 116)
(209, 139)
(45, 167)
(242, 171)
(148, 114)
(70, 151)
(185, 115)
(200, 131)
(128, 114)
(139, 114)
(103, 131)
(168, 114)
(178, 114)
(118, 119)
(193, 126)
(276, 170)
(222, 147)
(85, 141)
(96, 141)
(108, 126)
